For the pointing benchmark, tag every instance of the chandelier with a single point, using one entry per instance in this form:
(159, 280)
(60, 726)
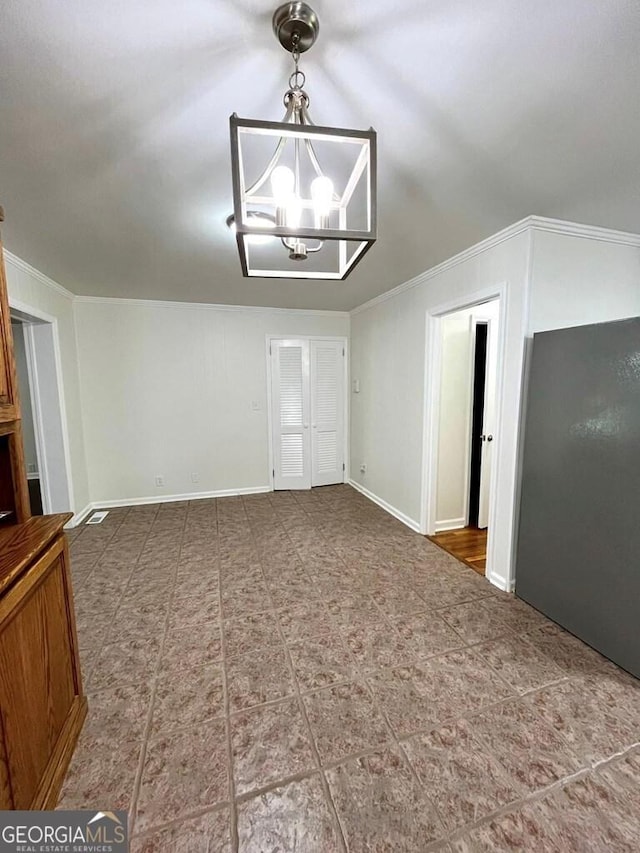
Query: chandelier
(304, 195)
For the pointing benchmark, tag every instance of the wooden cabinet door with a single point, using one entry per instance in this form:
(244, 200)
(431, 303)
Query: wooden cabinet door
(6, 800)
(37, 671)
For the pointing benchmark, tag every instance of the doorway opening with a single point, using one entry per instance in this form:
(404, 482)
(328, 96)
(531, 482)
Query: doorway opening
(43, 414)
(28, 423)
(477, 420)
(466, 412)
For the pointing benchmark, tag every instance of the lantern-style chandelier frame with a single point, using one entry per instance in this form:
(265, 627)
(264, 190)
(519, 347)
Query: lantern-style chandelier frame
(311, 228)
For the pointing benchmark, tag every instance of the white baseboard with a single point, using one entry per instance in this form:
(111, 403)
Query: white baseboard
(450, 524)
(505, 584)
(386, 506)
(79, 517)
(189, 496)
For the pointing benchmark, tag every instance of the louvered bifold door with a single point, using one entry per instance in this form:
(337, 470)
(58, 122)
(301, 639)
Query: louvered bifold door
(290, 400)
(327, 412)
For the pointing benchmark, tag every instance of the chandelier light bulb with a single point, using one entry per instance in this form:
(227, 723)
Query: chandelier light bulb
(282, 184)
(293, 211)
(322, 195)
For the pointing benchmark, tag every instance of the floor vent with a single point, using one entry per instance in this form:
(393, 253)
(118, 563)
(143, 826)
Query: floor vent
(98, 517)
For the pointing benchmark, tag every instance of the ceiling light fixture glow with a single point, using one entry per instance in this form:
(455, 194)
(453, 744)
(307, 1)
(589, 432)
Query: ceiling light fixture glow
(259, 222)
(327, 222)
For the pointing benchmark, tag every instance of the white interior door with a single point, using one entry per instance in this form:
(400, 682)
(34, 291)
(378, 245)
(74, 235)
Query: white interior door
(290, 415)
(488, 424)
(327, 412)
(308, 412)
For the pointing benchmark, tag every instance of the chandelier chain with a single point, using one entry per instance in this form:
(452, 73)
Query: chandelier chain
(297, 78)
(295, 50)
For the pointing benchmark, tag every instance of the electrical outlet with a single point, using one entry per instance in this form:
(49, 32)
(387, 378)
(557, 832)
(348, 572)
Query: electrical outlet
(159, 480)
(255, 406)
(195, 477)
(363, 468)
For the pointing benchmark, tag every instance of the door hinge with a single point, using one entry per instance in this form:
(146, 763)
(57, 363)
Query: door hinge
(343, 352)
(274, 472)
(270, 353)
(343, 467)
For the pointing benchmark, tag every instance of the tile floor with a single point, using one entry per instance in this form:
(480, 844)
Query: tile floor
(300, 672)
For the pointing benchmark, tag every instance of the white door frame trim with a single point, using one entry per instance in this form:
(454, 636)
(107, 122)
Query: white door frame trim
(31, 315)
(431, 414)
(347, 419)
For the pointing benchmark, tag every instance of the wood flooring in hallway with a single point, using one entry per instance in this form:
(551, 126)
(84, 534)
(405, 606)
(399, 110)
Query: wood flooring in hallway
(468, 544)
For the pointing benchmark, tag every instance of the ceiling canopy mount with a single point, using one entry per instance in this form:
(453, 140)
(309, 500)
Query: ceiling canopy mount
(296, 26)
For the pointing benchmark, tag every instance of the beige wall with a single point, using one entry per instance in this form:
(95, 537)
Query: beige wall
(577, 281)
(176, 390)
(29, 289)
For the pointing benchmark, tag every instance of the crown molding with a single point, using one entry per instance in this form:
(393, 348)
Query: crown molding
(460, 258)
(15, 261)
(537, 223)
(206, 306)
(588, 232)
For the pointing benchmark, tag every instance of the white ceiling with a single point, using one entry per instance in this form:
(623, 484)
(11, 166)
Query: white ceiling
(114, 152)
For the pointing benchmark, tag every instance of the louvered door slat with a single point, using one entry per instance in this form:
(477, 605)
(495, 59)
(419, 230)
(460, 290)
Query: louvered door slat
(326, 390)
(290, 399)
(327, 452)
(291, 392)
(291, 456)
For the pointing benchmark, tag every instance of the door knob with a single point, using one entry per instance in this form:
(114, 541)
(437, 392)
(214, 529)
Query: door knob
(489, 438)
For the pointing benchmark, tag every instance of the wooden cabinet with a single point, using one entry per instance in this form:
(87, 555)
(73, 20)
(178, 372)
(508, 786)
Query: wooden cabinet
(14, 491)
(42, 706)
(9, 406)
(41, 703)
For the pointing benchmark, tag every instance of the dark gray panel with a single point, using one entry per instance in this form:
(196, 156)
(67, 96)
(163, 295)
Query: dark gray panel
(578, 555)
